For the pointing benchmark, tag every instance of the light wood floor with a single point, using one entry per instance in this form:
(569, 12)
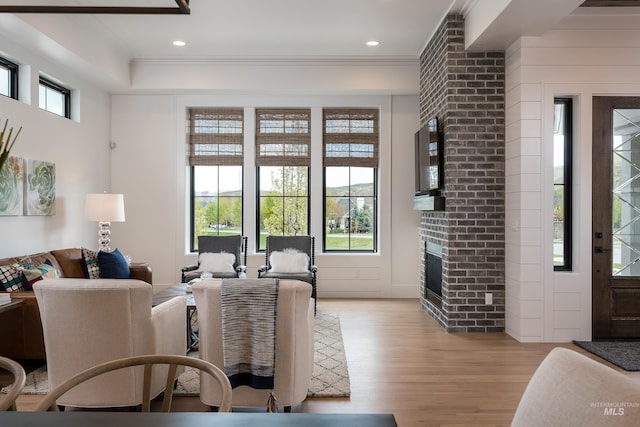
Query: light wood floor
(401, 362)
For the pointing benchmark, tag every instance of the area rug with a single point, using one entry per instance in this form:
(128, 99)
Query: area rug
(330, 376)
(622, 353)
(330, 373)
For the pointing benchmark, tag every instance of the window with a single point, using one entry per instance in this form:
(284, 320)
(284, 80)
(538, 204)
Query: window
(350, 160)
(562, 164)
(54, 98)
(283, 139)
(216, 138)
(8, 78)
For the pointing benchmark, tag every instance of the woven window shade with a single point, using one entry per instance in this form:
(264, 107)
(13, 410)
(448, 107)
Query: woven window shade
(216, 136)
(283, 137)
(350, 137)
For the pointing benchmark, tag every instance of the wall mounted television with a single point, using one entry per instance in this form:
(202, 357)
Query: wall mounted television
(429, 159)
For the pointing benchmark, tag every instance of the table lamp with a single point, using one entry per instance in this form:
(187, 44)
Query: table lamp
(104, 208)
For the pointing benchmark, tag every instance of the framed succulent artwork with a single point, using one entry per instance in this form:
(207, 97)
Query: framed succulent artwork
(12, 186)
(40, 188)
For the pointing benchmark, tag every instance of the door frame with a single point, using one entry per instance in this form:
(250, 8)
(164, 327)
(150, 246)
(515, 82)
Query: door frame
(603, 300)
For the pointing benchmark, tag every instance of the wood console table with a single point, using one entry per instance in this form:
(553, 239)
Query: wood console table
(21, 337)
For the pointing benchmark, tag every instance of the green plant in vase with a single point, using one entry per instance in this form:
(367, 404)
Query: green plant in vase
(6, 144)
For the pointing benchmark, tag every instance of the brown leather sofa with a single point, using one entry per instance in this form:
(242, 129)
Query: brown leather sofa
(20, 327)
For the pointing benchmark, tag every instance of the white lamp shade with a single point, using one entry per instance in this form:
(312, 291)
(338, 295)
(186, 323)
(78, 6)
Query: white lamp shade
(104, 207)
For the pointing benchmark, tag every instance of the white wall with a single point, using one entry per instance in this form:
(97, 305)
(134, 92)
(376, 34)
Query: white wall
(147, 158)
(586, 56)
(149, 167)
(79, 149)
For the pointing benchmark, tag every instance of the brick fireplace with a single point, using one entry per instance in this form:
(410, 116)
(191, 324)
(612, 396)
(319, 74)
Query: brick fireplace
(466, 91)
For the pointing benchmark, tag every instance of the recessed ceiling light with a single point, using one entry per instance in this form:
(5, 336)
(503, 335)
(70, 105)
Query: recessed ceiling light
(179, 43)
(373, 43)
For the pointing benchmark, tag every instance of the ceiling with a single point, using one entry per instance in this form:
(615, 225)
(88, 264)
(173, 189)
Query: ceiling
(271, 29)
(250, 28)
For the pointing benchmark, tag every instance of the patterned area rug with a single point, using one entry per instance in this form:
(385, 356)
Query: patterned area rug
(330, 374)
(622, 353)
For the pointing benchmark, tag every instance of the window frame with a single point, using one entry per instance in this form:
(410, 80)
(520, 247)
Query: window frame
(375, 214)
(286, 148)
(192, 200)
(567, 120)
(283, 197)
(351, 157)
(64, 91)
(12, 68)
(219, 149)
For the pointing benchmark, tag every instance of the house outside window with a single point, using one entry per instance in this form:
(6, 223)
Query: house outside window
(283, 139)
(216, 156)
(350, 159)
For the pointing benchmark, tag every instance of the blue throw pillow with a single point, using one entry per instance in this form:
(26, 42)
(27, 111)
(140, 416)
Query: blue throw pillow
(113, 265)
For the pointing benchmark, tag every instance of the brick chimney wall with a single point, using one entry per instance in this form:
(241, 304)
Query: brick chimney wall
(466, 91)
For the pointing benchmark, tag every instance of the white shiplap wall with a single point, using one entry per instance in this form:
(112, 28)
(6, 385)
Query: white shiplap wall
(587, 56)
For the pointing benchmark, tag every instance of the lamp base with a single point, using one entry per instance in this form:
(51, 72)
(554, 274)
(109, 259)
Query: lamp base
(103, 236)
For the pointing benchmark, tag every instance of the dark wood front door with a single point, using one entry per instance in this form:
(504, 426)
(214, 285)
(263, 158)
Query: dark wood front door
(616, 217)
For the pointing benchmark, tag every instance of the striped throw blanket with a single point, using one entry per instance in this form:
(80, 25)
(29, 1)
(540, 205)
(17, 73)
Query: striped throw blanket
(249, 331)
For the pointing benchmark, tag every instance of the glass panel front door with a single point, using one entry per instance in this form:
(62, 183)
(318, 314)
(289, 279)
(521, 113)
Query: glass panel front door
(626, 192)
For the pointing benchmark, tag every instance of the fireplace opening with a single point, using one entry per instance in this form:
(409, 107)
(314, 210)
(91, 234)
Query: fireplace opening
(433, 273)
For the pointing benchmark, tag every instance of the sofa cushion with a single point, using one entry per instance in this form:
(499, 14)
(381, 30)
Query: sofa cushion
(12, 278)
(41, 258)
(90, 264)
(46, 270)
(70, 262)
(113, 265)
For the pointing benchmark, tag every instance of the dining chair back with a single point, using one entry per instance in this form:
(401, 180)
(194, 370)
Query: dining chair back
(8, 402)
(148, 361)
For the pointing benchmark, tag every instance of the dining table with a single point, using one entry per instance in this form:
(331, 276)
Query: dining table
(191, 419)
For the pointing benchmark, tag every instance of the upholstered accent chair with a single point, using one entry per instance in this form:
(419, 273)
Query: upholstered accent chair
(88, 322)
(282, 260)
(222, 256)
(294, 344)
(571, 389)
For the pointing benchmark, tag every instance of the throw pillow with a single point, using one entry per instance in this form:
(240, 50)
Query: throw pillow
(289, 261)
(113, 265)
(12, 278)
(45, 270)
(216, 262)
(90, 264)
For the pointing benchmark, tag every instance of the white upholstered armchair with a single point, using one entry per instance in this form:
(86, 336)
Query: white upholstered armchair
(294, 340)
(88, 322)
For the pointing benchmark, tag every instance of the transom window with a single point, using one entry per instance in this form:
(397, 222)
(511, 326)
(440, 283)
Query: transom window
(54, 98)
(8, 78)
